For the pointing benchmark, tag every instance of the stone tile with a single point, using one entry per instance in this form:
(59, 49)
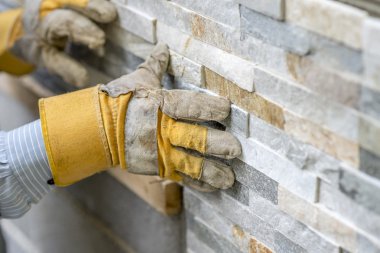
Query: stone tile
(304, 156)
(371, 71)
(239, 192)
(128, 41)
(361, 188)
(257, 247)
(371, 37)
(208, 8)
(209, 237)
(368, 245)
(137, 22)
(317, 74)
(195, 245)
(296, 232)
(184, 68)
(280, 34)
(238, 121)
(338, 202)
(317, 16)
(255, 180)
(229, 208)
(320, 219)
(369, 163)
(369, 134)
(325, 140)
(300, 101)
(284, 245)
(271, 8)
(252, 102)
(279, 169)
(217, 222)
(204, 54)
(370, 102)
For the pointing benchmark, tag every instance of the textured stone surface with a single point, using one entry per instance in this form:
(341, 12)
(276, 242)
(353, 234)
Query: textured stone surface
(209, 237)
(338, 202)
(255, 180)
(360, 188)
(238, 121)
(272, 8)
(369, 163)
(289, 229)
(279, 169)
(239, 192)
(208, 8)
(189, 71)
(318, 218)
(370, 102)
(137, 22)
(284, 245)
(206, 55)
(252, 102)
(318, 16)
(290, 37)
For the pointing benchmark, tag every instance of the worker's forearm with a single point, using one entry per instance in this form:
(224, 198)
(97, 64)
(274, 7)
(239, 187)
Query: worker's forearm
(24, 169)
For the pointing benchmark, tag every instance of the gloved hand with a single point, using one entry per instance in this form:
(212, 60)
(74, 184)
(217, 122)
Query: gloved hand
(39, 32)
(134, 123)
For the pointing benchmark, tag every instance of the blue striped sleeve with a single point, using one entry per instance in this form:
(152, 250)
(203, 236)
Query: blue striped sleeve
(24, 169)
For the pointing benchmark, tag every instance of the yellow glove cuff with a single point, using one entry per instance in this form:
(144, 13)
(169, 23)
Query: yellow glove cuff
(83, 133)
(10, 31)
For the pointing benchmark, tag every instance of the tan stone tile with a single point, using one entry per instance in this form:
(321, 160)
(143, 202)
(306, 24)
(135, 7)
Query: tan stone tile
(249, 101)
(257, 247)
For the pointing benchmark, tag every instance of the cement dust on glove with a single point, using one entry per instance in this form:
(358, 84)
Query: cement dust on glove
(134, 123)
(37, 34)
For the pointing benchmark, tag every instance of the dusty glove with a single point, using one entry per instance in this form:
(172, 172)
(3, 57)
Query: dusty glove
(37, 34)
(132, 122)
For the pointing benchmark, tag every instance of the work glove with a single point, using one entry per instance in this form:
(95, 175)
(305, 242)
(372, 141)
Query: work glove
(37, 34)
(134, 123)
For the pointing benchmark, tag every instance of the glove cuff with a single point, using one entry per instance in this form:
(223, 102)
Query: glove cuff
(83, 133)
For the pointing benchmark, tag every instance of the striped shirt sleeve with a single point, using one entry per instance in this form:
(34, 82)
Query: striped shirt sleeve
(24, 169)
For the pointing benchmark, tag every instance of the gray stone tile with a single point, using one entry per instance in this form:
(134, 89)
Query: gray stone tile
(369, 163)
(211, 238)
(370, 102)
(361, 189)
(255, 180)
(284, 35)
(284, 245)
(239, 192)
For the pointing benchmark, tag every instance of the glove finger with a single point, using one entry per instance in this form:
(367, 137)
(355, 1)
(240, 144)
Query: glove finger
(191, 105)
(204, 140)
(217, 175)
(101, 11)
(197, 185)
(62, 25)
(213, 174)
(61, 64)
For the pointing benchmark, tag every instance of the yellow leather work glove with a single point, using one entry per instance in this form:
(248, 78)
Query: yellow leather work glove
(37, 34)
(134, 123)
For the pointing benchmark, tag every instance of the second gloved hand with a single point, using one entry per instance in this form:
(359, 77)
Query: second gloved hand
(134, 123)
(42, 28)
